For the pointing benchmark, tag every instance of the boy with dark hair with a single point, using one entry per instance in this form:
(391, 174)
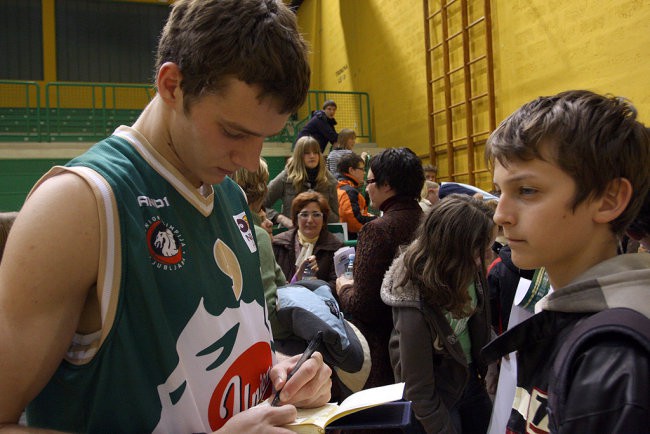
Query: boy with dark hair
(143, 308)
(352, 205)
(321, 126)
(572, 170)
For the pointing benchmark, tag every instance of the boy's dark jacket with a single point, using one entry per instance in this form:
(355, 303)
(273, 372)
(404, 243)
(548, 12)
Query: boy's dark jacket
(609, 385)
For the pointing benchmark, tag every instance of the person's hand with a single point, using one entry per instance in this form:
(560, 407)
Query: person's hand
(267, 225)
(261, 418)
(285, 221)
(492, 378)
(343, 283)
(310, 387)
(311, 261)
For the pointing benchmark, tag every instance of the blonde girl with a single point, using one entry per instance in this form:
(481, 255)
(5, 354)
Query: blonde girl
(304, 171)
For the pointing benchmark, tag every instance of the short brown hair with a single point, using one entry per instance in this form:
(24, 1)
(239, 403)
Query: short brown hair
(254, 184)
(344, 135)
(593, 138)
(430, 168)
(254, 41)
(304, 199)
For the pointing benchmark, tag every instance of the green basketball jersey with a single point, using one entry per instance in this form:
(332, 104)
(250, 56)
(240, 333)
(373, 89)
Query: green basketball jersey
(185, 341)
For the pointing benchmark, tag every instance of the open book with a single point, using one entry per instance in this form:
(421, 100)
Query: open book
(314, 420)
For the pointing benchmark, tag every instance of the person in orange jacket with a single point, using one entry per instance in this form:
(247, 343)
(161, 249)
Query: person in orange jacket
(353, 209)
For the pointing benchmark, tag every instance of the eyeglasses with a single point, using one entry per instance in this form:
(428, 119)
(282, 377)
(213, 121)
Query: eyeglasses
(315, 215)
(370, 181)
(360, 168)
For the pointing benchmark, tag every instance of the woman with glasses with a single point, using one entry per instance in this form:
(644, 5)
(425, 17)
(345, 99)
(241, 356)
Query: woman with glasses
(394, 182)
(305, 171)
(309, 243)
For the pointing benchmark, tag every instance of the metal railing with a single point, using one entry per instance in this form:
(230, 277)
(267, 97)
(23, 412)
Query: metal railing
(80, 112)
(20, 114)
(353, 110)
(91, 111)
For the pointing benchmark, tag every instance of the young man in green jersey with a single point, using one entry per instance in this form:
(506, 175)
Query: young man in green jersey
(130, 294)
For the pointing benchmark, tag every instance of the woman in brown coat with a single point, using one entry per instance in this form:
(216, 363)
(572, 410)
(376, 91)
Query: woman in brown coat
(394, 183)
(309, 212)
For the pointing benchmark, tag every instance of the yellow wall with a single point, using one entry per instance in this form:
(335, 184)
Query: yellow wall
(374, 46)
(546, 46)
(541, 47)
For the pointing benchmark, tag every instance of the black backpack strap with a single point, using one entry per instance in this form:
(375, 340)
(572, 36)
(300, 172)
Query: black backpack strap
(620, 320)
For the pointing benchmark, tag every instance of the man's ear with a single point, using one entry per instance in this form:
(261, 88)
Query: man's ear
(168, 82)
(386, 188)
(614, 201)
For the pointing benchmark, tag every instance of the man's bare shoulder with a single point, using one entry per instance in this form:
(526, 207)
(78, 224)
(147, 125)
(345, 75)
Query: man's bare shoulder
(48, 269)
(56, 232)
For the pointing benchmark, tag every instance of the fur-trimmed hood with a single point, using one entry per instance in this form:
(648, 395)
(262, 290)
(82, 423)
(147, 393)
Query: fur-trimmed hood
(398, 296)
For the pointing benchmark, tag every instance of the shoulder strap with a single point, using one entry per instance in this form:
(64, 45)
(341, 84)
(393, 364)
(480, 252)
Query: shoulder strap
(624, 321)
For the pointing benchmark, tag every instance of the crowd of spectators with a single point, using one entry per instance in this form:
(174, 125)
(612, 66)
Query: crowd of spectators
(436, 279)
(449, 279)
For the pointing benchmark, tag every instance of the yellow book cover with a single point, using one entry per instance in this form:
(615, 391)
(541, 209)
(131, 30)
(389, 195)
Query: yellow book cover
(314, 420)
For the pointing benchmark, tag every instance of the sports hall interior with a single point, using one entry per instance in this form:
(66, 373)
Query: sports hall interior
(432, 75)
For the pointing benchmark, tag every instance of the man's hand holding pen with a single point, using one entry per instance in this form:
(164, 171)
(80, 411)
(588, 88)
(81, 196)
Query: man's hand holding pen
(308, 386)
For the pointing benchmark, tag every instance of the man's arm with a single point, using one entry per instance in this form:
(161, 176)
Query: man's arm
(275, 192)
(49, 265)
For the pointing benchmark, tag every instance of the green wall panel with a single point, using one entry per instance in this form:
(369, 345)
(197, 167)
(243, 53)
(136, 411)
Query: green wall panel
(18, 176)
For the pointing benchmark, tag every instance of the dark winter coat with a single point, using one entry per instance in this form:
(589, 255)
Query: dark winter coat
(286, 247)
(321, 128)
(377, 246)
(425, 352)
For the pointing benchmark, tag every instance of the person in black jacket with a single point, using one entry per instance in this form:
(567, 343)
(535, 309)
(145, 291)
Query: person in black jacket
(321, 126)
(503, 278)
(572, 170)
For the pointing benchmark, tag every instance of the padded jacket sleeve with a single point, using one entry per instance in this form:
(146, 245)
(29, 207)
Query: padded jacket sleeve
(412, 358)
(614, 376)
(275, 193)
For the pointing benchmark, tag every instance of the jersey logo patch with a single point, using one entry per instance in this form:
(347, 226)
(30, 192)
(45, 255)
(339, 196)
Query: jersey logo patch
(530, 408)
(165, 245)
(223, 369)
(228, 264)
(245, 229)
(537, 420)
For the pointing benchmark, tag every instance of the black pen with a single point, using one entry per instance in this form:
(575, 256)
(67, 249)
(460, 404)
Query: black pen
(311, 348)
